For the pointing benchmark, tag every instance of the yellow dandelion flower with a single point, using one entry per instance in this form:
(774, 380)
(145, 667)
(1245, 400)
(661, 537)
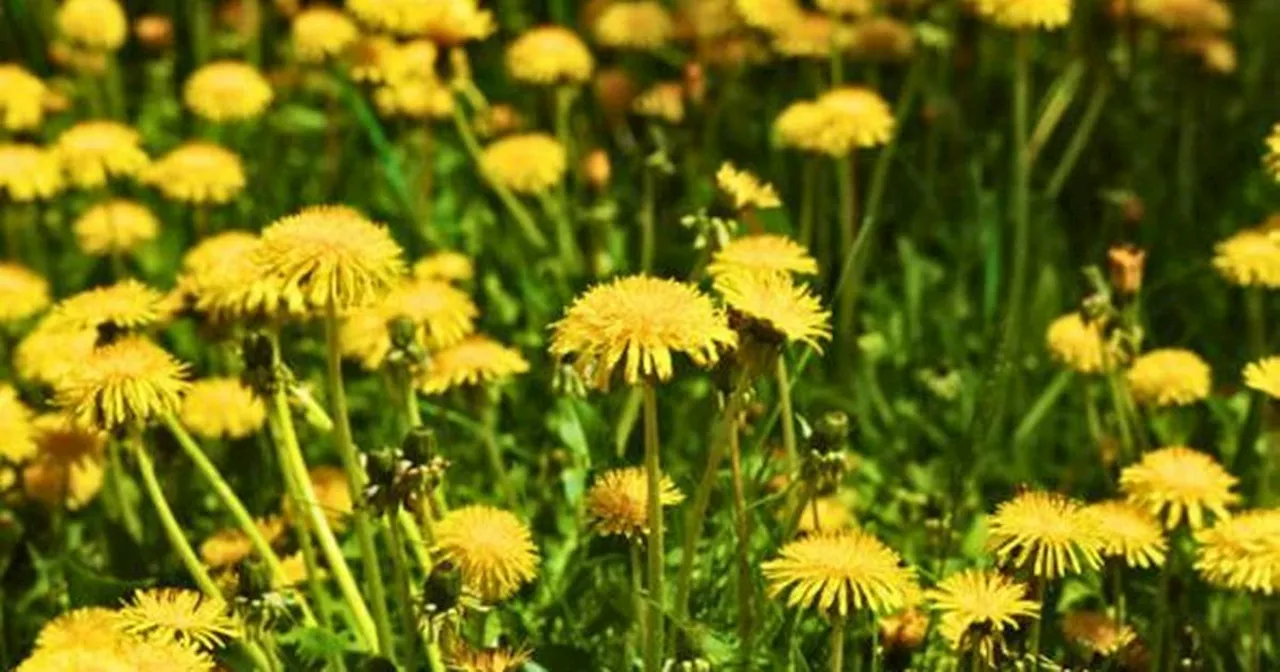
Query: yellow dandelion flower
(379, 60)
(463, 658)
(227, 547)
(442, 314)
(177, 613)
(550, 55)
(1169, 377)
(414, 98)
(333, 493)
(839, 572)
(825, 514)
(617, 502)
(643, 320)
(160, 654)
(854, 117)
(1026, 14)
(800, 126)
(23, 293)
(28, 172)
(477, 360)
(746, 190)
(322, 32)
(882, 38)
(1079, 344)
(1250, 258)
(811, 35)
(1272, 158)
(773, 306)
(1216, 54)
(709, 20)
(222, 279)
(69, 464)
(96, 24)
(1048, 532)
(663, 101)
(492, 549)
(21, 98)
(92, 151)
(1177, 480)
(1196, 16)
(762, 253)
(222, 408)
(85, 628)
(977, 607)
(447, 266)
(331, 255)
(227, 91)
(128, 304)
(449, 22)
(1242, 552)
(1097, 633)
(528, 163)
(402, 17)
(126, 382)
(77, 660)
(845, 8)
(642, 25)
(293, 571)
(197, 172)
(1130, 532)
(115, 227)
(15, 426)
(773, 16)
(1264, 376)
(49, 351)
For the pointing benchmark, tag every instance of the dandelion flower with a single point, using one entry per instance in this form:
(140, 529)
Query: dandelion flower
(477, 360)
(92, 151)
(1169, 377)
(322, 32)
(222, 408)
(1026, 14)
(746, 190)
(1264, 376)
(21, 98)
(223, 280)
(1079, 344)
(442, 314)
(197, 173)
(618, 501)
(333, 493)
(772, 16)
(492, 549)
(50, 350)
(764, 253)
(977, 607)
(487, 659)
(129, 381)
(178, 613)
(1130, 532)
(882, 38)
(449, 22)
(1193, 16)
(85, 628)
(642, 25)
(825, 514)
(227, 547)
(1250, 258)
(663, 101)
(23, 293)
(845, 7)
(77, 659)
(28, 172)
(1272, 157)
(402, 17)
(839, 572)
(1242, 552)
(227, 91)
(1052, 534)
(414, 98)
(15, 426)
(128, 304)
(773, 306)
(446, 266)
(812, 35)
(800, 126)
(550, 55)
(1097, 633)
(96, 24)
(1177, 480)
(68, 469)
(529, 163)
(115, 227)
(160, 654)
(642, 319)
(853, 117)
(331, 255)
(1216, 54)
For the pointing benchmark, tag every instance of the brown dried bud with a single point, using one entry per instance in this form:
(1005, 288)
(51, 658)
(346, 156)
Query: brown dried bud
(597, 169)
(883, 38)
(904, 630)
(1127, 263)
(695, 83)
(1133, 209)
(499, 119)
(615, 89)
(154, 31)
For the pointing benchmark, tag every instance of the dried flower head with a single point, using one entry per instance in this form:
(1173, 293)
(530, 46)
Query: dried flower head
(23, 293)
(1097, 633)
(746, 190)
(1264, 376)
(773, 307)
(492, 549)
(1242, 552)
(853, 117)
(178, 613)
(442, 315)
(216, 408)
(1250, 258)
(550, 55)
(129, 381)
(1048, 533)
(227, 91)
(68, 468)
(977, 607)
(322, 32)
(476, 360)
(1129, 531)
(642, 25)
(1177, 480)
(445, 265)
(115, 227)
(21, 98)
(92, 151)
(197, 172)
(618, 501)
(839, 572)
(28, 172)
(528, 163)
(1079, 344)
(1026, 14)
(1169, 377)
(95, 24)
(764, 253)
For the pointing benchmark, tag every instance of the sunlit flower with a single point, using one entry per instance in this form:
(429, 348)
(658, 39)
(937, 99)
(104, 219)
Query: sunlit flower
(853, 117)
(23, 293)
(128, 304)
(1079, 344)
(331, 255)
(115, 227)
(839, 572)
(129, 381)
(1250, 258)
(1130, 532)
(800, 126)
(446, 21)
(197, 172)
(977, 607)
(222, 408)
(773, 16)
(85, 628)
(15, 426)
(618, 501)
(97, 24)
(1242, 552)
(1272, 158)
(227, 547)
(492, 549)
(177, 613)
(333, 493)
(746, 190)
(663, 101)
(882, 38)
(445, 265)
(825, 514)
(1264, 376)
(322, 32)
(1169, 377)
(845, 7)
(92, 151)
(157, 653)
(762, 253)
(21, 98)
(643, 320)
(1177, 480)
(550, 55)
(477, 360)
(464, 658)
(1196, 16)
(415, 98)
(227, 91)
(1096, 632)
(378, 59)
(634, 24)
(812, 35)
(69, 463)
(708, 20)
(774, 307)
(28, 172)
(76, 660)
(49, 350)
(222, 279)
(1050, 534)
(528, 163)
(1025, 14)
(441, 314)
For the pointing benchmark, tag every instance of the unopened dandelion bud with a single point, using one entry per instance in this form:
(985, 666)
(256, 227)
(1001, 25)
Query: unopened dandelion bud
(830, 433)
(597, 169)
(154, 31)
(443, 588)
(1126, 264)
(419, 446)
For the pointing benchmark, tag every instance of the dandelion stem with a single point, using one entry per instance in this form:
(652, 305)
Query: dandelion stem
(356, 477)
(198, 13)
(847, 187)
(653, 472)
(1079, 140)
(741, 522)
(493, 450)
(647, 216)
(524, 221)
(808, 193)
(172, 529)
(788, 417)
(1255, 637)
(400, 568)
(640, 632)
(837, 642)
(1037, 627)
(128, 515)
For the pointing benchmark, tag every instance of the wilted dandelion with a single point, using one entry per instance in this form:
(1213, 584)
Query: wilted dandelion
(618, 501)
(124, 383)
(773, 307)
(746, 190)
(530, 163)
(1242, 552)
(839, 573)
(92, 151)
(180, 614)
(441, 314)
(96, 24)
(1079, 344)
(476, 360)
(1176, 481)
(21, 98)
(762, 253)
(549, 55)
(1097, 633)
(1130, 532)
(1168, 377)
(28, 172)
(227, 91)
(115, 227)
(322, 32)
(642, 25)
(216, 408)
(23, 293)
(492, 549)
(978, 607)
(197, 173)
(1047, 533)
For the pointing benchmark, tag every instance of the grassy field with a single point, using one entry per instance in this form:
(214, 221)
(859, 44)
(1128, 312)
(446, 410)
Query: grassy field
(661, 335)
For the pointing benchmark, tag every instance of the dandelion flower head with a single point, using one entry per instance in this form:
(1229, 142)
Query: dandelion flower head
(772, 16)
(845, 7)
(1129, 531)
(1193, 16)
(764, 253)
(492, 549)
(882, 38)
(115, 227)
(1026, 14)
(197, 172)
(448, 22)
(529, 163)
(333, 492)
(1048, 533)
(128, 304)
(227, 91)
(49, 350)
(811, 35)
(68, 469)
(774, 307)
(445, 265)
(746, 190)
(414, 98)
(159, 654)
(1169, 377)
(825, 514)
(92, 151)
(1079, 344)
(129, 381)
(663, 101)
(222, 279)
(1264, 376)
(977, 607)
(550, 55)
(28, 172)
(800, 126)
(642, 25)
(322, 32)
(1250, 258)
(1242, 552)
(1176, 481)
(96, 24)
(228, 547)
(442, 314)
(84, 628)
(178, 613)
(23, 293)
(1097, 632)
(216, 408)
(476, 360)
(854, 117)
(618, 501)
(839, 572)
(21, 98)
(15, 425)
(486, 659)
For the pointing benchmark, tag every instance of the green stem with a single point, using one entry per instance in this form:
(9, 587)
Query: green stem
(847, 186)
(355, 476)
(837, 642)
(564, 96)
(253, 47)
(198, 13)
(875, 642)
(1037, 627)
(1255, 636)
(400, 567)
(524, 221)
(640, 631)
(1162, 615)
(646, 217)
(493, 451)
(653, 653)
(1255, 306)
(793, 521)
(128, 515)
(788, 416)
(808, 193)
(1079, 140)
(746, 643)
(172, 529)
(570, 256)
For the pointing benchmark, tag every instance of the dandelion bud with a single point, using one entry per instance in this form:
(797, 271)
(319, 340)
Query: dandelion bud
(154, 31)
(695, 83)
(596, 168)
(1127, 263)
(830, 433)
(615, 89)
(443, 589)
(419, 446)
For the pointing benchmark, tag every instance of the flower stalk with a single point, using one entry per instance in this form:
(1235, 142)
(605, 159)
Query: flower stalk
(653, 653)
